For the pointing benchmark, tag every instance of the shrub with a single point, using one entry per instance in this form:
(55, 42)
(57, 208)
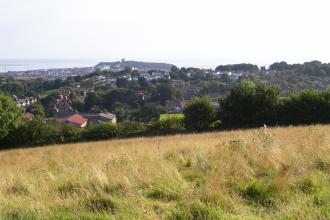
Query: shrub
(132, 129)
(36, 132)
(309, 107)
(100, 132)
(166, 126)
(9, 116)
(199, 114)
(249, 105)
(71, 133)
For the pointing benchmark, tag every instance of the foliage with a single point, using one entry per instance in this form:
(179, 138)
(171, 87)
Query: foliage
(132, 129)
(146, 114)
(37, 109)
(100, 131)
(249, 105)
(309, 107)
(238, 67)
(9, 116)
(166, 126)
(199, 114)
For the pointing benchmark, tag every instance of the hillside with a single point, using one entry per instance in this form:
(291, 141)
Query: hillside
(139, 65)
(279, 173)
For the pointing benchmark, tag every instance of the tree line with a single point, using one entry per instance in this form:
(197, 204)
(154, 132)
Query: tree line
(248, 105)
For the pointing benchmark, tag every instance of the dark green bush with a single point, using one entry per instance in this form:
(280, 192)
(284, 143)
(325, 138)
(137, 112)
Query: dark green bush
(166, 126)
(132, 129)
(199, 114)
(100, 131)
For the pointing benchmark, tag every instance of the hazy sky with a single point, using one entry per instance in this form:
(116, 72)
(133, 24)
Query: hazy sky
(182, 31)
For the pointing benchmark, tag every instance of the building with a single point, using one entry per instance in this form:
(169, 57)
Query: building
(75, 120)
(100, 117)
(25, 102)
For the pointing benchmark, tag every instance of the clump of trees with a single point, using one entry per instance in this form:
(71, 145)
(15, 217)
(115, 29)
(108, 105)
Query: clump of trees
(243, 67)
(9, 116)
(247, 105)
(250, 105)
(199, 114)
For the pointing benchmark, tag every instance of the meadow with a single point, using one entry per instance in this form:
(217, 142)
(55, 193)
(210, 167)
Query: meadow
(266, 173)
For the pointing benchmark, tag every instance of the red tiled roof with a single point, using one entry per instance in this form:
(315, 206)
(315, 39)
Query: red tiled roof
(75, 119)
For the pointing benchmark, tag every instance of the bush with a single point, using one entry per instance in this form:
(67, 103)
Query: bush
(166, 126)
(9, 116)
(36, 132)
(309, 107)
(71, 133)
(199, 114)
(249, 105)
(100, 131)
(132, 129)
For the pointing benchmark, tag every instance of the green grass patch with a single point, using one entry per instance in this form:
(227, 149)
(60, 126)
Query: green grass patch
(260, 192)
(68, 188)
(102, 204)
(170, 116)
(162, 192)
(197, 211)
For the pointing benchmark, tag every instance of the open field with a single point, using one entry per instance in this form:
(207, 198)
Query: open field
(168, 116)
(278, 173)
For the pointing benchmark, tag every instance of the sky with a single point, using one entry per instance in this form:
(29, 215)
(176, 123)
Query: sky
(183, 32)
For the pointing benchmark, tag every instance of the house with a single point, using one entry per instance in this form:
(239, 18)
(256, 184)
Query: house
(28, 117)
(75, 120)
(24, 102)
(100, 117)
(63, 104)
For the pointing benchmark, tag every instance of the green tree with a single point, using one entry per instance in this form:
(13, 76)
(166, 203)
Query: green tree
(143, 82)
(249, 105)
(122, 82)
(37, 109)
(307, 107)
(199, 114)
(165, 92)
(92, 99)
(10, 116)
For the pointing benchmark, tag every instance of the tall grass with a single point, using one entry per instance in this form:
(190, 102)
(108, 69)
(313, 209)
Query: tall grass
(277, 173)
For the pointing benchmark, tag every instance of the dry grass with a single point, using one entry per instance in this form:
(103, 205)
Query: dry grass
(279, 173)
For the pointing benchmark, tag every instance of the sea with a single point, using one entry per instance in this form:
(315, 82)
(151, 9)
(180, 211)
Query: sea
(7, 65)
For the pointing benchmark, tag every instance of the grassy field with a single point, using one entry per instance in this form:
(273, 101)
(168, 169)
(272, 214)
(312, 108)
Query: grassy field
(279, 173)
(168, 116)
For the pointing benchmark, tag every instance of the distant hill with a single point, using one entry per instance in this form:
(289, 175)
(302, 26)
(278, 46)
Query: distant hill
(137, 64)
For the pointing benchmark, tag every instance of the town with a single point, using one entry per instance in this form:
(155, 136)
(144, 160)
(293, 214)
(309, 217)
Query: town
(141, 91)
(156, 87)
